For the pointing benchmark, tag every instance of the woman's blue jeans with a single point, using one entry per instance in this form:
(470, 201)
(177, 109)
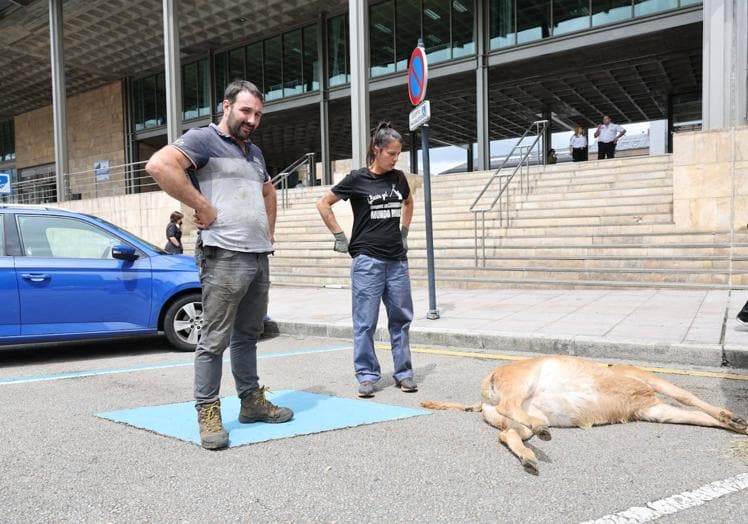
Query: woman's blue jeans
(374, 281)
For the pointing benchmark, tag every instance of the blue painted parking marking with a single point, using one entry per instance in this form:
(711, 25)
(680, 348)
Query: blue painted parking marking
(145, 367)
(313, 413)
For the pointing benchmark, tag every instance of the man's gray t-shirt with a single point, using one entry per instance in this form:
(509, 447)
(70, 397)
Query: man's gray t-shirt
(232, 181)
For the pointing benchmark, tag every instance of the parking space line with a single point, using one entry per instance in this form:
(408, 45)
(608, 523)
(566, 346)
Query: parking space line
(496, 356)
(676, 503)
(146, 367)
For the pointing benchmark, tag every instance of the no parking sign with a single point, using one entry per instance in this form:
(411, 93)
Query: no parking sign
(417, 81)
(418, 73)
(417, 76)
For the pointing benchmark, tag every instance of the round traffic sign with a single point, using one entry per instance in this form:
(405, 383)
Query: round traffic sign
(417, 76)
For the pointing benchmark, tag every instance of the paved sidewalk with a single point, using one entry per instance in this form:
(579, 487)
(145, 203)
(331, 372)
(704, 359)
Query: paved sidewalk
(665, 326)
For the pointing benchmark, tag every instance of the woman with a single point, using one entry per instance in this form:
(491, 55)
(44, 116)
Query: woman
(381, 202)
(578, 145)
(174, 234)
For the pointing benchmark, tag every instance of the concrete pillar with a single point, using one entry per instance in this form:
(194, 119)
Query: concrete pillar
(358, 48)
(324, 101)
(548, 136)
(481, 87)
(725, 64)
(59, 96)
(173, 71)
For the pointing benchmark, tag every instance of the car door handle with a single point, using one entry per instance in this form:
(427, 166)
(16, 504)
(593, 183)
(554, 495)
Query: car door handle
(35, 277)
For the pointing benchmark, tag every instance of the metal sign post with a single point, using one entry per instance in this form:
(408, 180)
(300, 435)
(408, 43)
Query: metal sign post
(418, 118)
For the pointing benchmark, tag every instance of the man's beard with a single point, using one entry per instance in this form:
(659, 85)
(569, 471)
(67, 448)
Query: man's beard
(240, 130)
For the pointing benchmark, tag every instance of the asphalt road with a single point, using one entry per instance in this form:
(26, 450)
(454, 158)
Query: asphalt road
(62, 463)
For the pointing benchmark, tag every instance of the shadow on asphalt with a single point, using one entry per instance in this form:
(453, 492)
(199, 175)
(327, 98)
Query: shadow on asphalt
(51, 352)
(25, 354)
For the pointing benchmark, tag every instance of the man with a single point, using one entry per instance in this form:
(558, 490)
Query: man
(235, 209)
(609, 134)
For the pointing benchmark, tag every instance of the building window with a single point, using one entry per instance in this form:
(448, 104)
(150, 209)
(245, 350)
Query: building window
(609, 11)
(273, 68)
(382, 38)
(281, 66)
(255, 69)
(533, 20)
(436, 34)
(293, 57)
(408, 25)
(501, 24)
(7, 141)
(338, 61)
(311, 62)
(648, 7)
(463, 28)
(220, 63)
(195, 93)
(570, 16)
(149, 101)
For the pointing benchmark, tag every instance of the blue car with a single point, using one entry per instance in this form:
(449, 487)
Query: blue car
(70, 276)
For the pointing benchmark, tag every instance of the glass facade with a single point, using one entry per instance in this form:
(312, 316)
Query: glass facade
(515, 22)
(446, 26)
(149, 96)
(338, 61)
(382, 39)
(149, 102)
(273, 70)
(195, 90)
(287, 64)
(7, 141)
(282, 66)
(570, 16)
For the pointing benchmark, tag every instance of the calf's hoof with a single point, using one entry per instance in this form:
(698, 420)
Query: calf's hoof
(530, 465)
(543, 433)
(738, 424)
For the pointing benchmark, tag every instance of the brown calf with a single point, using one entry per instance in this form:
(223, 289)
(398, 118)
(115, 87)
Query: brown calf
(525, 398)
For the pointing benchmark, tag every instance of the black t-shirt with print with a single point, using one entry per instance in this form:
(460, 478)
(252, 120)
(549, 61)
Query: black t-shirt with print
(377, 202)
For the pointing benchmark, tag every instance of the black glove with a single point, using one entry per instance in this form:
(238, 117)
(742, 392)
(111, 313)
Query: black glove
(341, 243)
(404, 232)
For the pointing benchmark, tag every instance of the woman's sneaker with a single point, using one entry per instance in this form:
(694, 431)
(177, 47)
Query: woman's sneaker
(408, 385)
(366, 389)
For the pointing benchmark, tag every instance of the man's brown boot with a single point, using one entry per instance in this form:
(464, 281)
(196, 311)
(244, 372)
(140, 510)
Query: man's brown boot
(212, 434)
(256, 408)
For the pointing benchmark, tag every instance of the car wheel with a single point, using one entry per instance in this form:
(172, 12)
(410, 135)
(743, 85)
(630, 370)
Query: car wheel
(183, 322)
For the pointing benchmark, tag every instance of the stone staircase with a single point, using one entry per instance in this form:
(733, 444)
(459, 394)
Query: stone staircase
(593, 224)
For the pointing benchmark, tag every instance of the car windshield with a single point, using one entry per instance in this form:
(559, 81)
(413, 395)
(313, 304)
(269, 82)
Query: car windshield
(159, 250)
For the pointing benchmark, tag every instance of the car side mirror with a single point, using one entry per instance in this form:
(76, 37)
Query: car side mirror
(124, 252)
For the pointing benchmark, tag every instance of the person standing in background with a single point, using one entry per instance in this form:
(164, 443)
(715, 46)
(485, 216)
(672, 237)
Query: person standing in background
(607, 135)
(174, 234)
(578, 145)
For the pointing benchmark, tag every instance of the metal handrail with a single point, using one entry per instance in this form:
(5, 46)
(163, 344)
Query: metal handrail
(506, 178)
(282, 177)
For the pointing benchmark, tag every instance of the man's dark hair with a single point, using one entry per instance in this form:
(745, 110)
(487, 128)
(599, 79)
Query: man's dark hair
(237, 86)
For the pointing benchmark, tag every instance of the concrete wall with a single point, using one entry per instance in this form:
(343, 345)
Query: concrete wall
(144, 214)
(95, 127)
(710, 180)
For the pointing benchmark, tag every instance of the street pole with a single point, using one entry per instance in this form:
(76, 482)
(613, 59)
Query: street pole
(433, 312)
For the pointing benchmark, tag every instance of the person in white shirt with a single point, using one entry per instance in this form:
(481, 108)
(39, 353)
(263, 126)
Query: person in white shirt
(607, 135)
(578, 145)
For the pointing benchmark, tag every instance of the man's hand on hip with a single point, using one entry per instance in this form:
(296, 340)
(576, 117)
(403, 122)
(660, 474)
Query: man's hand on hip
(204, 217)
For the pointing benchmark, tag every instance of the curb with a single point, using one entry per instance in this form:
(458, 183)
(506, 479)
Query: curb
(708, 355)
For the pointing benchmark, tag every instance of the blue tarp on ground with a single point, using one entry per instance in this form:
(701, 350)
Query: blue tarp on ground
(313, 413)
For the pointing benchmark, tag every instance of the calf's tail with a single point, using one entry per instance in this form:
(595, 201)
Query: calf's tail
(429, 404)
